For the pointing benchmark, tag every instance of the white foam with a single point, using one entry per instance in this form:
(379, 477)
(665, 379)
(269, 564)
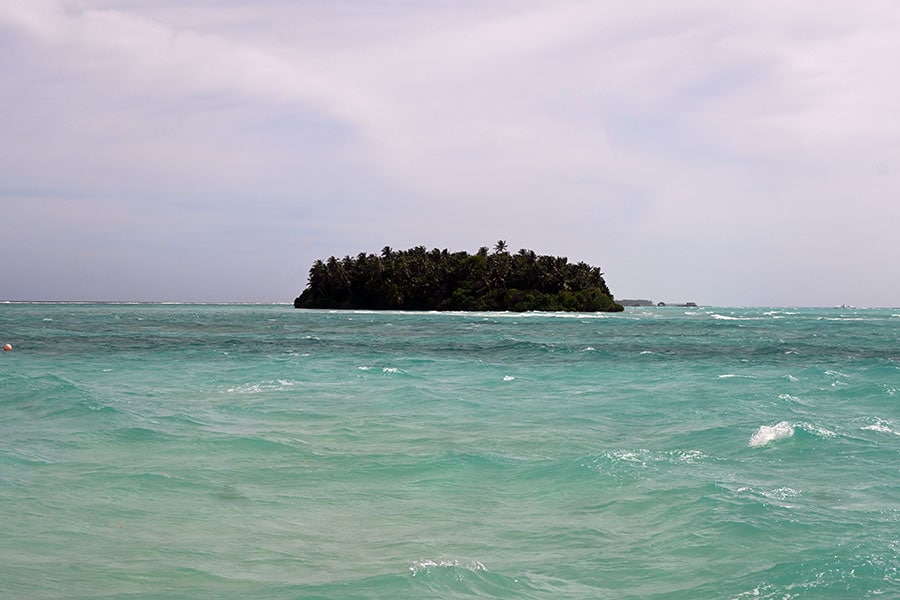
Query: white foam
(508, 378)
(266, 386)
(425, 564)
(689, 456)
(833, 373)
(719, 317)
(879, 427)
(820, 431)
(385, 370)
(645, 457)
(782, 493)
(769, 433)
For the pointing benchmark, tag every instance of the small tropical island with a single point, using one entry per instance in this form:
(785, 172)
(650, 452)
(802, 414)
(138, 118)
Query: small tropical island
(421, 279)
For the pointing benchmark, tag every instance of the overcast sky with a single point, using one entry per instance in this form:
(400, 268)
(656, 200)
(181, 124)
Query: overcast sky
(728, 153)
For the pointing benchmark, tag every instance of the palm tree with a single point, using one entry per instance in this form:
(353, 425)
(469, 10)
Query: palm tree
(436, 279)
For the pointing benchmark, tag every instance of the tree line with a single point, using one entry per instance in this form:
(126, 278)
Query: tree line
(421, 279)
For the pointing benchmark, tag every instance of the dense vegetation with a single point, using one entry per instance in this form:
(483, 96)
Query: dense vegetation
(419, 279)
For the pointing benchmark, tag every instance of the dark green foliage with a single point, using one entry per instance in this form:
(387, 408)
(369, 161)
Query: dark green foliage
(419, 279)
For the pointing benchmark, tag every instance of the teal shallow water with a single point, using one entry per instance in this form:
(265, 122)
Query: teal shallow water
(166, 451)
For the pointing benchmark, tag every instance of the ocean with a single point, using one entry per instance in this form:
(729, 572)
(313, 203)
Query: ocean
(257, 451)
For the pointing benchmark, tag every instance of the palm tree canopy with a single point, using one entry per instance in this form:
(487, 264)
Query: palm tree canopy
(418, 279)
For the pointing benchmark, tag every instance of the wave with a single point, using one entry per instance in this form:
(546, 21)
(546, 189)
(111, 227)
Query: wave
(427, 578)
(445, 578)
(719, 317)
(54, 396)
(855, 571)
(423, 566)
(383, 370)
(262, 386)
(621, 466)
(881, 426)
(766, 434)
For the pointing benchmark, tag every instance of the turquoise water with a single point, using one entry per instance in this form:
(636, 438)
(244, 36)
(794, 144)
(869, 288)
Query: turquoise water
(183, 451)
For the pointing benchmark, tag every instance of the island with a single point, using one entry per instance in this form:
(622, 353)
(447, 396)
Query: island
(636, 302)
(421, 279)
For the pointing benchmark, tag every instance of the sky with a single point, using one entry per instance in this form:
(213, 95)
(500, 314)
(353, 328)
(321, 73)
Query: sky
(727, 153)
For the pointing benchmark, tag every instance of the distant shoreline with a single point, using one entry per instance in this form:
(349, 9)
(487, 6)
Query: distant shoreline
(147, 302)
(289, 304)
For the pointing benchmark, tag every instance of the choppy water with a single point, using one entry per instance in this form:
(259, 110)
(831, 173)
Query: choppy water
(160, 451)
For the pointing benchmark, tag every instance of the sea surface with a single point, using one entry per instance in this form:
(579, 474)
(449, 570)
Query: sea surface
(243, 452)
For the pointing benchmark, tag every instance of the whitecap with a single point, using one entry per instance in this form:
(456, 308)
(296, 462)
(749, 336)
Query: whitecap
(782, 493)
(508, 378)
(879, 427)
(424, 564)
(589, 349)
(645, 457)
(816, 430)
(769, 433)
(393, 371)
(265, 386)
(719, 317)
(688, 456)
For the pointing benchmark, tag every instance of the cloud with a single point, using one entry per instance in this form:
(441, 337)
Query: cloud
(583, 128)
